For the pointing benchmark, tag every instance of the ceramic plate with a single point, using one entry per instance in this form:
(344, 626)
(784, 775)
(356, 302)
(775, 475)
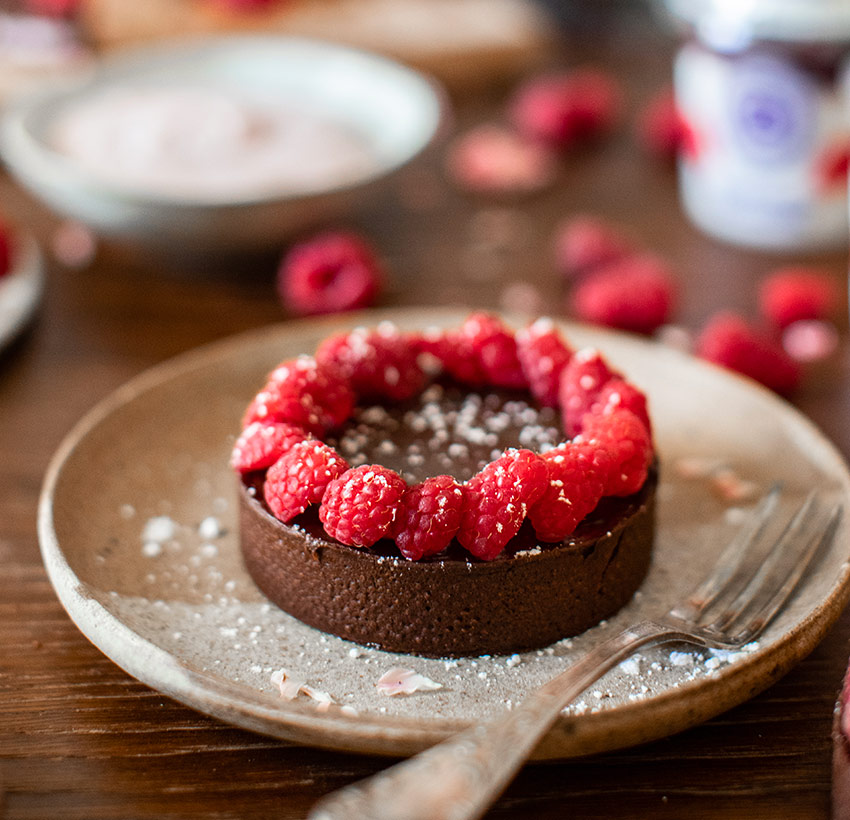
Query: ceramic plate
(20, 290)
(139, 535)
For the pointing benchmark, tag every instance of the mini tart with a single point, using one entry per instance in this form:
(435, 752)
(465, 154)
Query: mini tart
(457, 598)
(452, 604)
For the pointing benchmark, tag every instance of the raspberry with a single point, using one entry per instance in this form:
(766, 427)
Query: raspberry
(832, 167)
(585, 243)
(636, 294)
(792, 294)
(330, 273)
(730, 341)
(300, 478)
(361, 506)
(620, 393)
(380, 363)
(563, 109)
(490, 159)
(263, 443)
(810, 341)
(661, 129)
(302, 392)
(543, 356)
(453, 352)
(581, 383)
(625, 439)
(577, 476)
(495, 350)
(497, 499)
(53, 8)
(429, 517)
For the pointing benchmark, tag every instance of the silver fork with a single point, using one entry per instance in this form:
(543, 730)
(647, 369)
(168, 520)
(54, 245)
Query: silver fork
(461, 777)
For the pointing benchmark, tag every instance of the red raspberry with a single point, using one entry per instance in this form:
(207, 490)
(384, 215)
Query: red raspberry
(361, 506)
(490, 159)
(543, 356)
(379, 363)
(619, 393)
(625, 439)
(728, 340)
(429, 517)
(661, 129)
(563, 109)
(300, 478)
(263, 443)
(497, 499)
(495, 349)
(53, 8)
(636, 294)
(582, 381)
(585, 243)
(832, 167)
(577, 477)
(302, 392)
(330, 273)
(792, 294)
(453, 352)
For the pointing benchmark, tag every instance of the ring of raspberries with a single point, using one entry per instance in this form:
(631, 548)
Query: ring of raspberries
(607, 452)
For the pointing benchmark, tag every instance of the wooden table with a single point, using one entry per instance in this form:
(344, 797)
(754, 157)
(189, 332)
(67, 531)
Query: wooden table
(80, 739)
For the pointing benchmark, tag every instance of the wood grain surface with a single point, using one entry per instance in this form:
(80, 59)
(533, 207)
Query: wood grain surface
(80, 739)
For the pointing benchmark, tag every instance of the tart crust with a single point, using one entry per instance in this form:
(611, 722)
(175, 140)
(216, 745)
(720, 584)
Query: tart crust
(452, 604)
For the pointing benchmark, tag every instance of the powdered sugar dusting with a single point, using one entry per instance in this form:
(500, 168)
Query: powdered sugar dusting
(446, 431)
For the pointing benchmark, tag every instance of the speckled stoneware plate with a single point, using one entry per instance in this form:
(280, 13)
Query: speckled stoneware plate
(139, 535)
(21, 288)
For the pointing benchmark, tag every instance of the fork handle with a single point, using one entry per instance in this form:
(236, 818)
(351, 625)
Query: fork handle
(461, 777)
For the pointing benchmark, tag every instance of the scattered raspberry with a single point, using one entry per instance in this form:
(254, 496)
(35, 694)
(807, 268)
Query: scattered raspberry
(832, 167)
(330, 273)
(263, 443)
(53, 8)
(661, 129)
(543, 356)
(636, 294)
(810, 341)
(582, 381)
(577, 478)
(495, 349)
(491, 159)
(586, 243)
(429, 517)
(620, 393)
(377, 363)
(497, 499)
(452, 352)
(300, 477)
(563, 109)
(728, 340)
(791, 294)
(300, 391)
(361, 506)
(625, 439)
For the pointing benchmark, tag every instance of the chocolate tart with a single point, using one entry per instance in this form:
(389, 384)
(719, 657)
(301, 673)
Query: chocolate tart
(450, 604)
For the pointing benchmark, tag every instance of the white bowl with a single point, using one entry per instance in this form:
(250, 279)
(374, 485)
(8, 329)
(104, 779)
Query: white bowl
(395, 110)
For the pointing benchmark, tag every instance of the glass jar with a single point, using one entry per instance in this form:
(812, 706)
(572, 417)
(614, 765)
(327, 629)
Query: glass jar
(762, 88)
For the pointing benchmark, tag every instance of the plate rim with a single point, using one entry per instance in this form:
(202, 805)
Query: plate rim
(397, 735)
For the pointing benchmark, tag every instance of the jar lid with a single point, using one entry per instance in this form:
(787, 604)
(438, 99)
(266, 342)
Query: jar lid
(734, 23)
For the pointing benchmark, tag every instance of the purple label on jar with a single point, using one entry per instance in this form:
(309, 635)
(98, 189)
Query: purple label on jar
(772, 110)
